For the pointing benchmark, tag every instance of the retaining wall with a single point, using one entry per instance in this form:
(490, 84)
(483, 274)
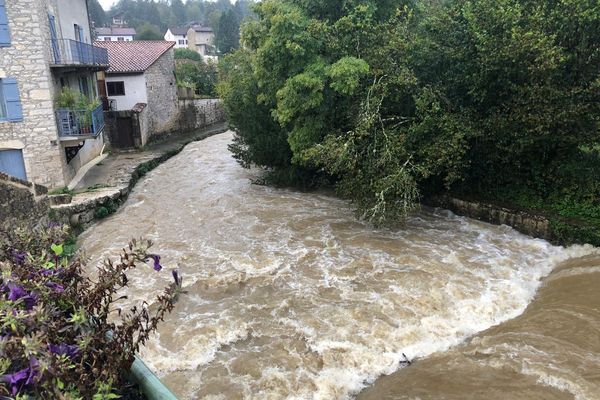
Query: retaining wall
(22, 202)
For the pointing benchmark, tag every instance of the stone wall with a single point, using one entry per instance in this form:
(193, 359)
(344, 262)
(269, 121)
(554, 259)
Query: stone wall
(22, 202)
(196, 114)
(26, 60)
(161, 87)
(525, 222)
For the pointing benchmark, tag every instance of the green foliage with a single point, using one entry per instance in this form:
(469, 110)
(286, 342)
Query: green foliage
(60, 335)
(147, 31)
(395, 98)
(62, 190)
(187, 54)
(169, 14)
(199, 75)
(227, 35)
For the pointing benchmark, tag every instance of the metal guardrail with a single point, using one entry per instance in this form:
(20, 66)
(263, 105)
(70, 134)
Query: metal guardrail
(72, 52)
(77, 123)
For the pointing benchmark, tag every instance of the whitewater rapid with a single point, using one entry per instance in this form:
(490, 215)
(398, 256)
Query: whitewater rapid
(290, 297)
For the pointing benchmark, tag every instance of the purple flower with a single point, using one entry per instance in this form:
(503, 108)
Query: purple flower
(63, 349)
(56, 287)
(26, 374)
(53, 224)
(156, 258)
(14, 379)
(16, 292)
(18, 256)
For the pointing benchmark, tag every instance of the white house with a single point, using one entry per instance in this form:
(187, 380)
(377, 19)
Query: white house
(115, 34)
(143, 72)
(177, 35)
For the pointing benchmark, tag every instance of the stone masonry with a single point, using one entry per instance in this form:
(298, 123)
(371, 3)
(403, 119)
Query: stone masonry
(162, 95)
(25, 60)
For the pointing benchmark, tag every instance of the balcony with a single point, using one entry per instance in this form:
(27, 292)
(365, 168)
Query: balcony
(71, 53)
(79, 124)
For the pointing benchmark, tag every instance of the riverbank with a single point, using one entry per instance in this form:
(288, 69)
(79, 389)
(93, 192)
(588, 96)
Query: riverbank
(539, 222)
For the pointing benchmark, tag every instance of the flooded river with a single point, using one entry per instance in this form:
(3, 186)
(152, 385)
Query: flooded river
(290, 297)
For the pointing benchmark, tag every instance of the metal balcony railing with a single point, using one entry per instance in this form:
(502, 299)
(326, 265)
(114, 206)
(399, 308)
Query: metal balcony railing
(80, 123)
(71, 52)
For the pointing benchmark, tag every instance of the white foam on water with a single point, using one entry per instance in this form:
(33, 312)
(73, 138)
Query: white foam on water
(299, 300)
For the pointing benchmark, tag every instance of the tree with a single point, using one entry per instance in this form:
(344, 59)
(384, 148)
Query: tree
(227, 37)
(396, 98)
(178, 10)
(97, 13)
(148, 31)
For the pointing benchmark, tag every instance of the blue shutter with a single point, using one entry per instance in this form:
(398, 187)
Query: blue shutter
(11, 163)
(4, 32)
(14, 112)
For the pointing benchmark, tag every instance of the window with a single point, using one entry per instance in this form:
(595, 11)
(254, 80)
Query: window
(181, 41)
(107, 39)
(10, 101)
(120, 39)
(84, 86)
(4, 32)
(115, 88)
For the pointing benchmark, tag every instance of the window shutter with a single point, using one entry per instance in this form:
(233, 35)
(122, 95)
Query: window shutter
(4, 32)
(14, 111)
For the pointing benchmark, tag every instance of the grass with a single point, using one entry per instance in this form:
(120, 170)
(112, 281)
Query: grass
(62, 190)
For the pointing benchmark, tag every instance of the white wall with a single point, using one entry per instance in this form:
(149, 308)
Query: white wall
(170, 37)
(114, 38)
(135, 90)
(72, 12)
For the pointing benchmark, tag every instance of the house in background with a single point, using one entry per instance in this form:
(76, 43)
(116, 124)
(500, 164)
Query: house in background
(45, 52)
(118, 20)
(142, 76)
(179, 36)
(201, 39)
(115, 34)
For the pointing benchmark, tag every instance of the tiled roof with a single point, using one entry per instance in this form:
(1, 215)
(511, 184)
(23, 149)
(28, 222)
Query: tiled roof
(114, 31)
(202, 28)
(134, 56)
(181, 30)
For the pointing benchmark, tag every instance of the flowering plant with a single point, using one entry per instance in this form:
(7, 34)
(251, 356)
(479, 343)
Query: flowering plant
(58, 336)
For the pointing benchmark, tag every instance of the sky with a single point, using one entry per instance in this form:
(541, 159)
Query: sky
(106, 4)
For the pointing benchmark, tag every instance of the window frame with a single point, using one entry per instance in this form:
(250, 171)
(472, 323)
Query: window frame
(114, 85)
(3, 110)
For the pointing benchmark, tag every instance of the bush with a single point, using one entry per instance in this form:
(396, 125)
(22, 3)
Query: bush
(187, 54)
(58, 334)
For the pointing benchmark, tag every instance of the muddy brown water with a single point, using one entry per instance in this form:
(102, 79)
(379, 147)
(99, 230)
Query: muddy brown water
(290, 297)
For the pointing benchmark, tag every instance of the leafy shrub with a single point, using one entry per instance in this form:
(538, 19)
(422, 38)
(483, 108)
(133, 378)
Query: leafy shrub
(60, 334)
(187, 54)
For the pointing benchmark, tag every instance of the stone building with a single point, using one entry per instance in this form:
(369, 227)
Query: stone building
(142, 76)
(50, 121)
(201, 39)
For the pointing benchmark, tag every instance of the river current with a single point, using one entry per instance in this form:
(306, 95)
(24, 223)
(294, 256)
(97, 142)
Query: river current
(290, 297)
